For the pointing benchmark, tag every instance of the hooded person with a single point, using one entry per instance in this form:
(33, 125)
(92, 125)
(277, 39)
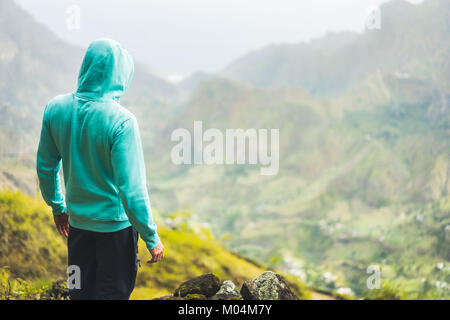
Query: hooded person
(106, 203)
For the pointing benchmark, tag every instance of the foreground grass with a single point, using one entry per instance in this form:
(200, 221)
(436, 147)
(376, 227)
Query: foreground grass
(33, 254)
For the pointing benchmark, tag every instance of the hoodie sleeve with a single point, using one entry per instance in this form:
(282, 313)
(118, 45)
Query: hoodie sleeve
(129, 175)
(48, 163)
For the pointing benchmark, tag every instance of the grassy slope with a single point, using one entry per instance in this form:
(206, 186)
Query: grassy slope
(32, 249)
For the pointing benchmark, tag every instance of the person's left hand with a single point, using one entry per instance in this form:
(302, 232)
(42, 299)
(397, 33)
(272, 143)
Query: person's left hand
(62, 224)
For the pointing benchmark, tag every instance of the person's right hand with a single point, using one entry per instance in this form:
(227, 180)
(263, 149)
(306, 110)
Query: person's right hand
(62, 224)
(157, 253)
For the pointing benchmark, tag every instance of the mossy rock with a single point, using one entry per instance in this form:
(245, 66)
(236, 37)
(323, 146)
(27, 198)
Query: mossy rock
(268, 286)
(207, 285)
(227, 291)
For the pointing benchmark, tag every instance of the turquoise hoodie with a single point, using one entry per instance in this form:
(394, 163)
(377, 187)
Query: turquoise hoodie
(100, 147)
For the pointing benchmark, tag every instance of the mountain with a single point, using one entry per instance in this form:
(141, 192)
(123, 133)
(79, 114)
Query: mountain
(360, 177)
(410, 42)
(364, 174)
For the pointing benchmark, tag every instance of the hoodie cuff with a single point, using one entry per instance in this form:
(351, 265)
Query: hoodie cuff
(59, 210)
(152, 243)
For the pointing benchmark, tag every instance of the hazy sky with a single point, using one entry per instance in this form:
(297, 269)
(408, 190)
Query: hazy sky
(178, 37)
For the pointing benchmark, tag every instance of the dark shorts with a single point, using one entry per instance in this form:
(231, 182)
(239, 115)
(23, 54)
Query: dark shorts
(107, 262)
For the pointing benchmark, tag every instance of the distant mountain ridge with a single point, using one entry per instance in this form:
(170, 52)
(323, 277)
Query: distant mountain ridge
(410, 42)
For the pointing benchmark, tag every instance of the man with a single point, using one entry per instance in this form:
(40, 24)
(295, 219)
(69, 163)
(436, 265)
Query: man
(106, 201)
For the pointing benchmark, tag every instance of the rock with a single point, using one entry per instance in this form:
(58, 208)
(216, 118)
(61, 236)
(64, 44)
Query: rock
(268, 286)
(227, 291)
(207, 284)
(345, 292)
(169, 298)
(226, 297)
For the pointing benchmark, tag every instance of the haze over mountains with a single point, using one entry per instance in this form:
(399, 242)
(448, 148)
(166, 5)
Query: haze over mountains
(411, 42)
(364, 125)
(178, 37)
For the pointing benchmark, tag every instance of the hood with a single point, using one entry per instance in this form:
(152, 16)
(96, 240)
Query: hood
(106, 70)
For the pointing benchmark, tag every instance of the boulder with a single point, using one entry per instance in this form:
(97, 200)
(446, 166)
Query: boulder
(207, 285)
(268, 286)
(227, 291)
